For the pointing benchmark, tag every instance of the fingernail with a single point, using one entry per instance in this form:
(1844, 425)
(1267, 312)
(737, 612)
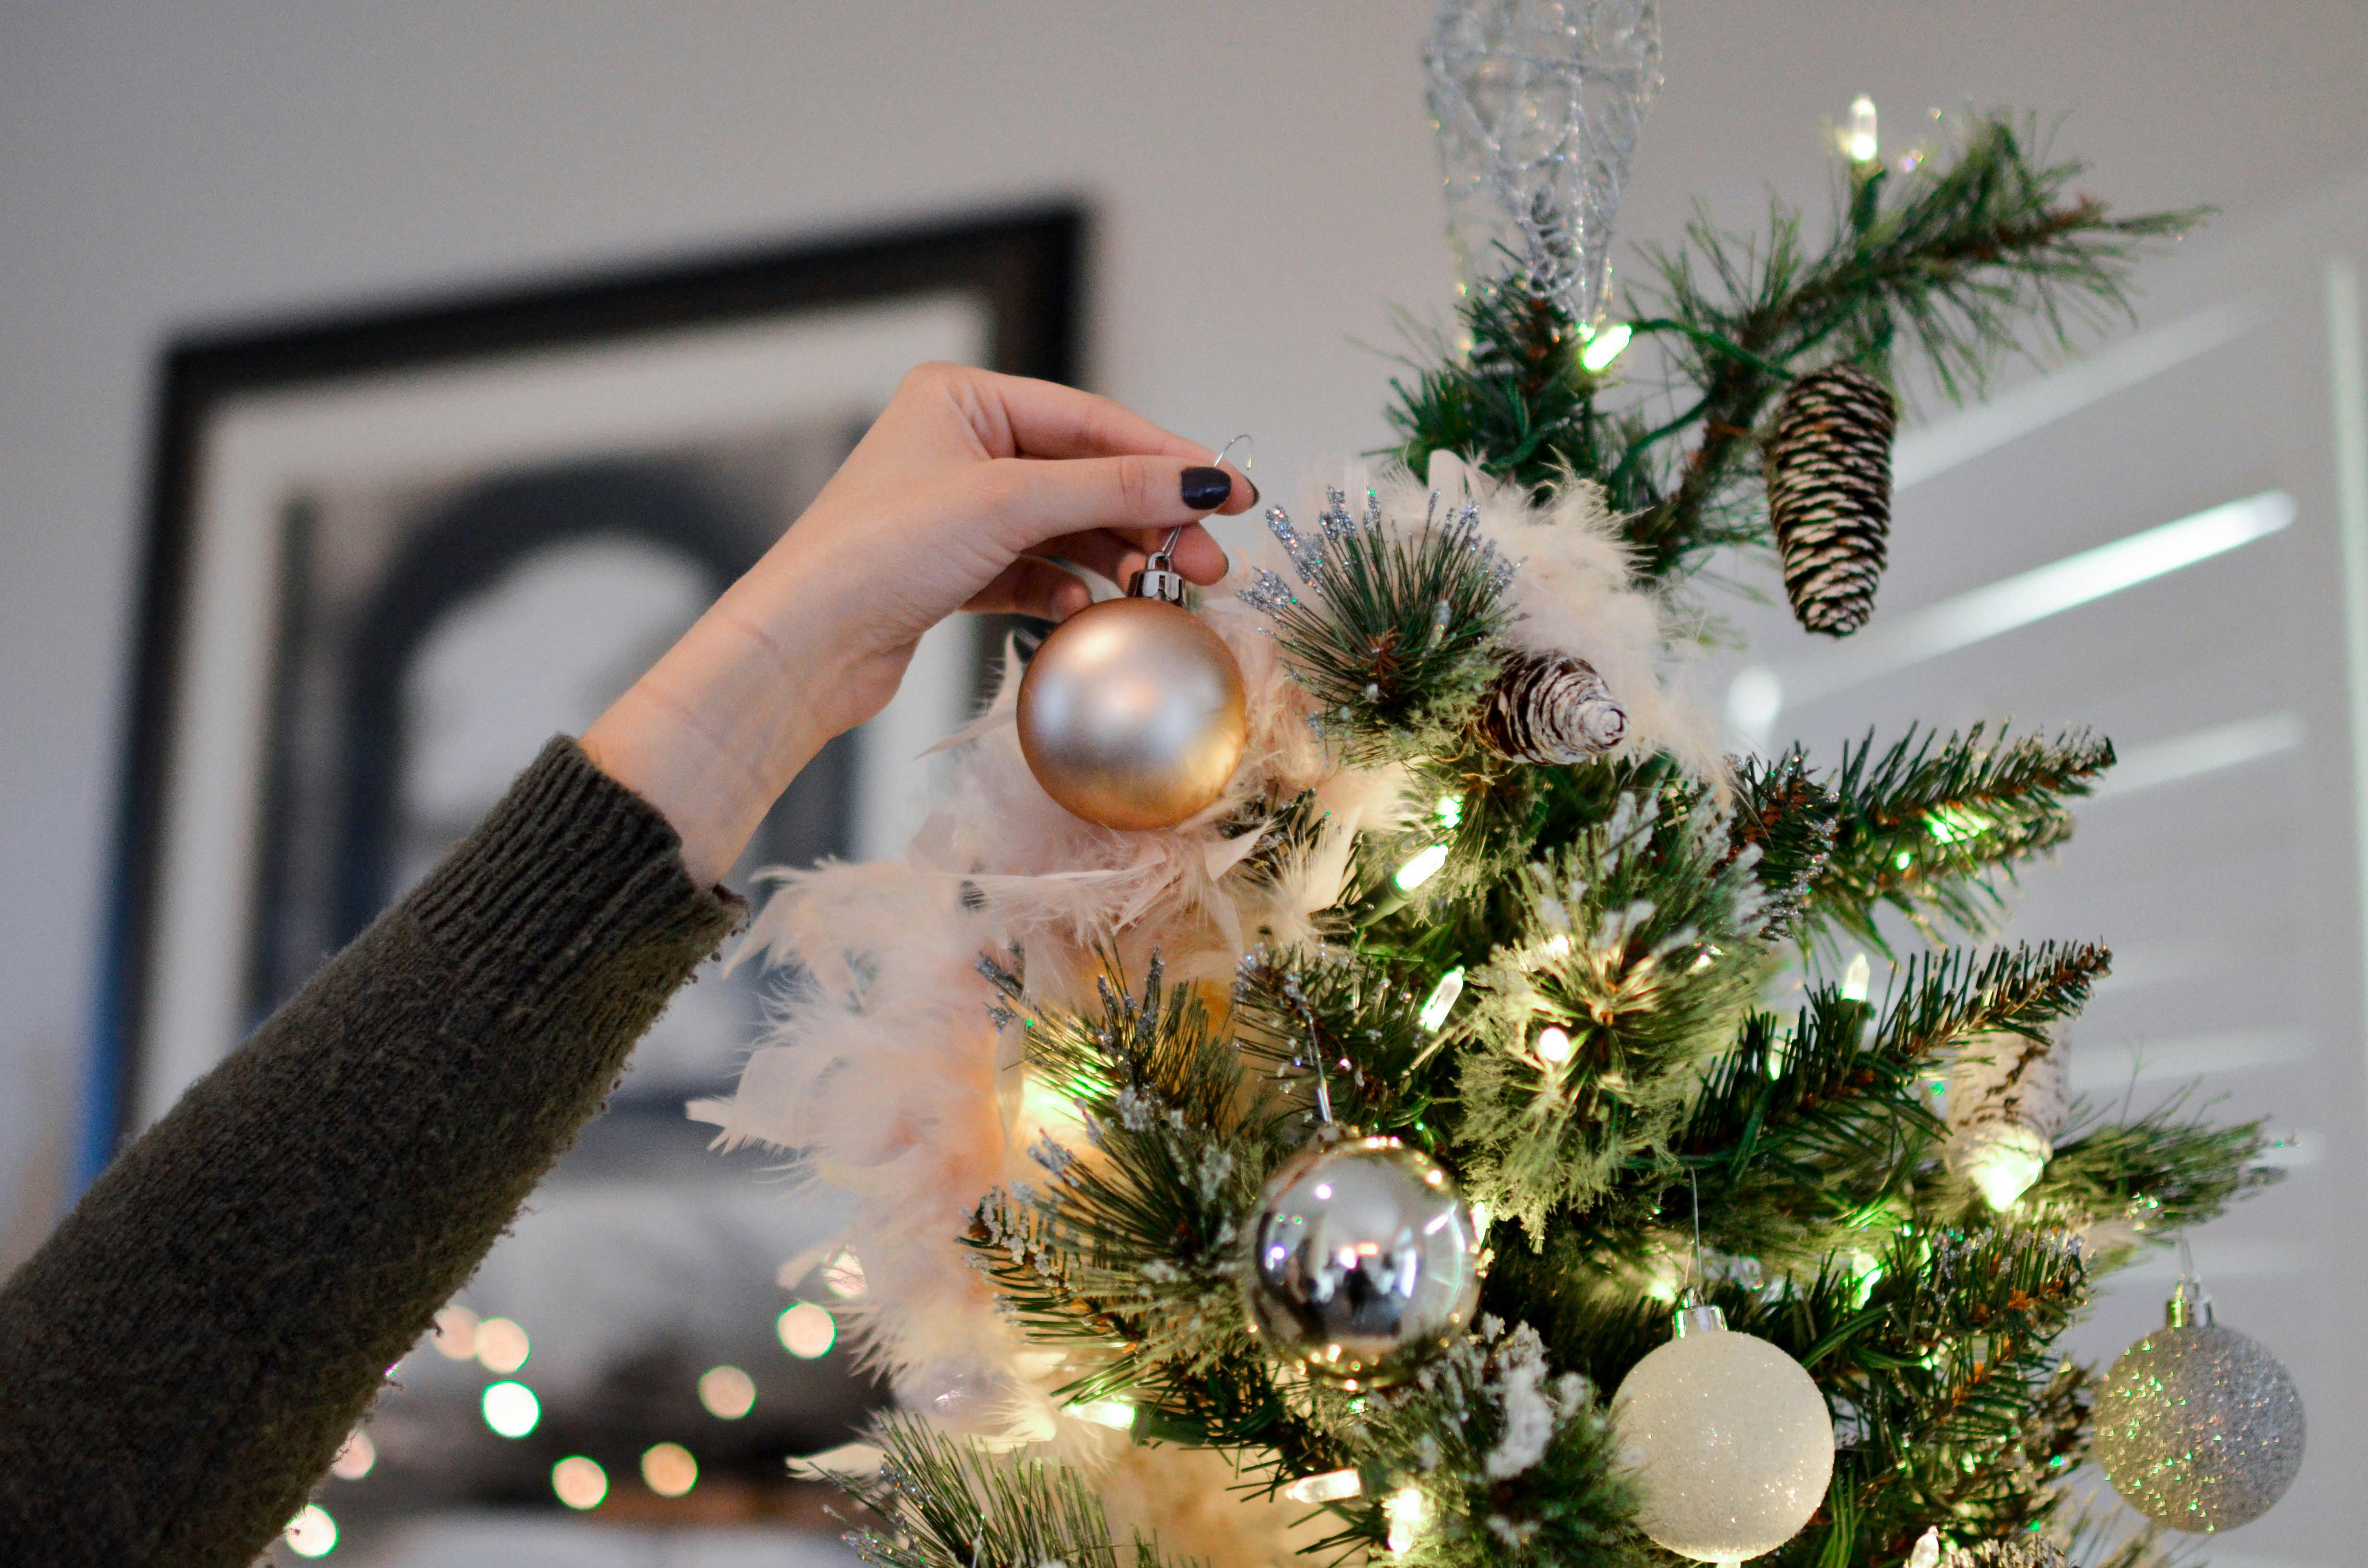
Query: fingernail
(1253, 485)
(1206, 489)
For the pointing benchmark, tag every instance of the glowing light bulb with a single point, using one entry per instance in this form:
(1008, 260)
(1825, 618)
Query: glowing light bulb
(1451, 811)
(311, 1533)
(1408, 1511)
(727, 1392)
(1421, 869)
(502, 1346)
(1442, 1000)
(1553, 1045)
(1112, 1413)
(1926, 1553)
(669, 1470)
(2005, 1165)
(355, 1460)
(456, 1334)
(843, 1275)
(1606, 346)
(1330, 1487)
(1857, 979)
(511, 1409)
(1858, 142)
(579, 1483)
(807, 1330)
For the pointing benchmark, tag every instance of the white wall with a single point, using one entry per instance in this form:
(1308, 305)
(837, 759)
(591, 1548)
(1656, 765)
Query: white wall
(1261, 171)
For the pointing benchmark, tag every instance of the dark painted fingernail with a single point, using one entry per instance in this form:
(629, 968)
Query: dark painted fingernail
(1206, 489)
(1253, 485)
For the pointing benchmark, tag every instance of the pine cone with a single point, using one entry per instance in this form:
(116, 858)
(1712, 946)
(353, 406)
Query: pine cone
(1551, 707)
(1829, 493)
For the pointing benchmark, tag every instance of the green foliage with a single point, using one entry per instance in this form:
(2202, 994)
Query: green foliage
(1401, 640)
(1641, 942)
(1933, 828)
(1953, 260)
(2161, 1173)
(952, 1503)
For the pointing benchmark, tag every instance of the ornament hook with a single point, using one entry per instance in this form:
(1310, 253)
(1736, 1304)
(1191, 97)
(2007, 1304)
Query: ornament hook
(2189, 1303)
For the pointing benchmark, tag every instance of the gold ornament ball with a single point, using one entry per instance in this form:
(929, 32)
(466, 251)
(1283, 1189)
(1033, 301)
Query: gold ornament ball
(1132, 714)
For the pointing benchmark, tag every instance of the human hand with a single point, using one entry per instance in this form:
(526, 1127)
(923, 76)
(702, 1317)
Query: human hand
(954, 499)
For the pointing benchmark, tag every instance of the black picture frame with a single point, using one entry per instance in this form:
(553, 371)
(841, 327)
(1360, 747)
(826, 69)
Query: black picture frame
(1026, 265)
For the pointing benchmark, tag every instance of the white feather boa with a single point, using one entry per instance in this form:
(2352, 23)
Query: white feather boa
(884, 1072)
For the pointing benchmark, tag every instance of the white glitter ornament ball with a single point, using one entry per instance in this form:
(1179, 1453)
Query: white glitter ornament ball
(1364, 1262)
(2197, 1425)
(1730, 1441)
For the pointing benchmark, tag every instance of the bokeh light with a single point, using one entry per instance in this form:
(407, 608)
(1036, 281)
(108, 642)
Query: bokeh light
(580, 1482)
(727, 1391)
(456, 1332)
(502, 1346)
(669, 1470)
(511, 1409)
(354, 1460)
(807, 1330)
(311, 1533)
(843, 1276)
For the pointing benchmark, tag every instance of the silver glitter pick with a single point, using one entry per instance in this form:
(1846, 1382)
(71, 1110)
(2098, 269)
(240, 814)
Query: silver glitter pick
(1537, 105)
(1306, 554)
(1268, 592)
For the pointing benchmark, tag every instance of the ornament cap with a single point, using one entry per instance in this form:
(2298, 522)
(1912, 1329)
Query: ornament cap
(1695, 1319)
(1158, 579)
(2189, 1307)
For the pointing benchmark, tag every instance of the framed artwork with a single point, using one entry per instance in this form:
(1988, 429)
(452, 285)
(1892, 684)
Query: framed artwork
(388, 556)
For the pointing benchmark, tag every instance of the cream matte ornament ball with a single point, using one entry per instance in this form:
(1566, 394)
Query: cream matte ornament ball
(1729, 1439)
(2197, 1425)
(1133, 715)
(1364, 1262)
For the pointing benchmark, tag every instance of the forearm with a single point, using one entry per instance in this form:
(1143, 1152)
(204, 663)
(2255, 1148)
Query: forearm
(181, 1360)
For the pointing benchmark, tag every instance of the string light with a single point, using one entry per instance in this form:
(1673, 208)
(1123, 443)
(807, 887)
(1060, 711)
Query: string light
(728, 1392)
(502, 1346)
(1451, 811)
(1112, 1413)
(1860, 140)
(1858, 979)
(1553, 1045)
(1605, 346)
(1442, 1000)
(311, 1533)
(669, 1470)
(1408, 1511)
(843, 1276)
(456, 1334)
(807, 1330)
(1331, 1486)
(579, 1483)
(1421, 869)
(511, 1409)
(355, 1460)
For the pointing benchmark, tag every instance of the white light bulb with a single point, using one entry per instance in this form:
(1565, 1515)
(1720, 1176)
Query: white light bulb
(1330, 1487)
(311, 1533)
(1926, 1553)
(1442, 1000)
(1860, 142)
(1553, 1045)
(511, 1409)
(1858, 979)
(1421, 869)
(1606, 346)
(579, 1483)
(1408, 1511)
(1116, 1414)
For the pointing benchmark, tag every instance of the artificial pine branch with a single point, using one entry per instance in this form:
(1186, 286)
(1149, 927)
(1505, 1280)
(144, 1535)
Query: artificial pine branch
(2163, 1173)
(952, 1503)
(1932, 826)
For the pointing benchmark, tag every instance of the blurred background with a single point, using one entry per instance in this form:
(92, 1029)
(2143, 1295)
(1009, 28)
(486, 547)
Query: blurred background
(1257, 189)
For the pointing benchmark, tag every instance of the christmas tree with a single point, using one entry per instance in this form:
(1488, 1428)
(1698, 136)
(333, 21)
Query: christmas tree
(1485, 936)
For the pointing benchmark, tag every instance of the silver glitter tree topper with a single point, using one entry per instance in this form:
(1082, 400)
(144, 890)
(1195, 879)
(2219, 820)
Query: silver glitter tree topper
(1537, 105)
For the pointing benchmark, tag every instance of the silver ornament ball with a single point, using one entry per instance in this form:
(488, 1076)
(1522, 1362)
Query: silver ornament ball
(1133, 715)
(2197, 1425)
(1364, 1262)
(1729, 1439)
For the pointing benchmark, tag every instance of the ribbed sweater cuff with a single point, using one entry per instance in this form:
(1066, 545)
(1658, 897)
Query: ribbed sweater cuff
(568, 849)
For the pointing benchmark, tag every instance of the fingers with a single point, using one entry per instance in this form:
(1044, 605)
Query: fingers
(1031, 585)
(1046, 419)
(1029, 501)
(1120, 556)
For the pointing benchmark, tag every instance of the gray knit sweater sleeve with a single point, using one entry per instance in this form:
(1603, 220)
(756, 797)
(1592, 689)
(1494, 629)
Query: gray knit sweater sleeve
(181, 1360)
